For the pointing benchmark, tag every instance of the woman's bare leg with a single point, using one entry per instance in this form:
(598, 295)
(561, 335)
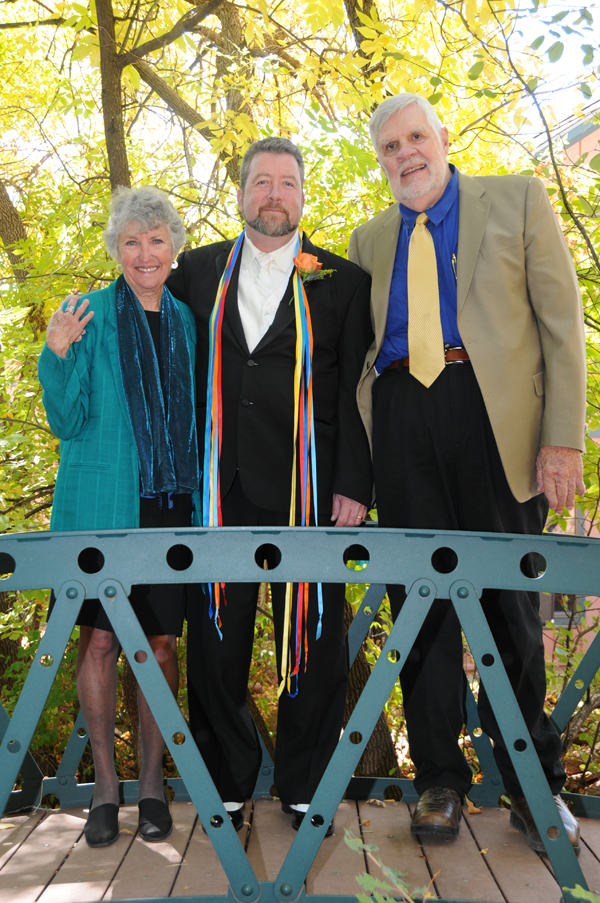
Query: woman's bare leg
(96, 673)
(151, 776)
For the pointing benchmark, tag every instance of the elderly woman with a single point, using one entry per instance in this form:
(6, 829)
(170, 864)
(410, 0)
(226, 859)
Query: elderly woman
(117, 371)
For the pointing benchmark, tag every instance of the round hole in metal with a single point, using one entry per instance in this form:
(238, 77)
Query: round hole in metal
(356, 557)
(317, 821)
(179, 738)
(46, 661)
(268, 556)
(553, 832)
(444, 560)
(520, 745)
(367, 610)
(81, 732)
(487, 659)
(477, 732)
(90, 561)
(356, 737)
(393, 793)
(533, 565)
(579, 684)
(7, 565)
(179, 558)
(140, 657)
(393, 656)
(216, 821)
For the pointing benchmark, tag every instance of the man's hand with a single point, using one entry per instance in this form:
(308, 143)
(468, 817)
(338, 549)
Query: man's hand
(559, 472)
(346, 512)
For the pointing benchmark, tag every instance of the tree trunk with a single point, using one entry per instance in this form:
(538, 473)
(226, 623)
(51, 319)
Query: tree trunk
(379, 758)
(111, 68)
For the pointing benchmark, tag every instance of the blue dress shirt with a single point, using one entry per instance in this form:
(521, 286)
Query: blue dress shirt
(443, 225)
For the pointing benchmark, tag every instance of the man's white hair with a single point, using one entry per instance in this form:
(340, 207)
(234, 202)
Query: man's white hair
(392, 105)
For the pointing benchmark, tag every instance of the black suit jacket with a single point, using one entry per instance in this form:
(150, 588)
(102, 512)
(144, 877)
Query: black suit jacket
(258, 400)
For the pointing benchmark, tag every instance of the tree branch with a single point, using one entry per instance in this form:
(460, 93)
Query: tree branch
(185, 24)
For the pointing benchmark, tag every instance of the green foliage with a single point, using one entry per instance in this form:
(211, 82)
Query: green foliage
(393, 883)
(578, 893)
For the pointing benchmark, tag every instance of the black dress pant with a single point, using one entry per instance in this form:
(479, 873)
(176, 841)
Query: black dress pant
(437, 466)
(308, 724)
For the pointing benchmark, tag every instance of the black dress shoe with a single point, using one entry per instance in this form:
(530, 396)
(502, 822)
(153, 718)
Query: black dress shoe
(522, 819)
(437, 812)
(155, 822)
(236, 817)
(102, 825)
(299, 818)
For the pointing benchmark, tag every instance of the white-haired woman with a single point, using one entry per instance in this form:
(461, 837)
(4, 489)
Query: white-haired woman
(117, 371)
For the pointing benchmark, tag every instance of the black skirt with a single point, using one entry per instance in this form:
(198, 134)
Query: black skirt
(159, 607)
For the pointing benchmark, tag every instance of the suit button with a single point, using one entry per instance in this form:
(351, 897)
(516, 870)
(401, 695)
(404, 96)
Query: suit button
(251, 363)
(245, 402)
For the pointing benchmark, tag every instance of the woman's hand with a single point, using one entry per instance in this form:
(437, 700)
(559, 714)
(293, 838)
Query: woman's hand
(67, 326)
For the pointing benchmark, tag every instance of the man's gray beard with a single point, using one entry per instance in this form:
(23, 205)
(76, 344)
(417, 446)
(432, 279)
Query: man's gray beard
(284, 227)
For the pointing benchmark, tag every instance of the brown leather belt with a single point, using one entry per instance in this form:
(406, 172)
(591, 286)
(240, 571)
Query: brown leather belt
(452, 355)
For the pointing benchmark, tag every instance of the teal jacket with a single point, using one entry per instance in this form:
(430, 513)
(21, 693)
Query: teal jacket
(98, 486)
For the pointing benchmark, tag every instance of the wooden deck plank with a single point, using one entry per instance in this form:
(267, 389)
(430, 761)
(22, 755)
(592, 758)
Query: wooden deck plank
(32, 867)
(336, 865)
(88, 872)
(150, 869)
(270, 838)
(463, 875)
(518, 870)
(201, 872)
(390, 831)
(12, 838)
(590, 832)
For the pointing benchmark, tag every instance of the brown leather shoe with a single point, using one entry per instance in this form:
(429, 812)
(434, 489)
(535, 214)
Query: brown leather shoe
(437, 812)
(522, 819)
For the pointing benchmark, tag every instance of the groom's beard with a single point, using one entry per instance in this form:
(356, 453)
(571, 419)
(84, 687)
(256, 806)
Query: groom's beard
(271, 224)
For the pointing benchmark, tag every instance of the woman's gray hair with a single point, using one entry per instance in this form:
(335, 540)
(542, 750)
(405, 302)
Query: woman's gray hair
(392, 105)
(273, 145)
(147, 207)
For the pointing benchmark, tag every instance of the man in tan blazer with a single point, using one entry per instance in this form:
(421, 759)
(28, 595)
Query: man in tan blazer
(488, 441)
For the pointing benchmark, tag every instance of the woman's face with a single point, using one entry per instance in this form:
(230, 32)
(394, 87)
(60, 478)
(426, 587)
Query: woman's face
(146, 258)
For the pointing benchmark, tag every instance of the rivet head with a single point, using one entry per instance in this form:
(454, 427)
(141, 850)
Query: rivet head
(13, 746)
(463, 592)
(495, 781)
(266, 771)
(286, 890)
(247, 890)
(110, 592)
(62, 781)
(424, 591)
(72, 593)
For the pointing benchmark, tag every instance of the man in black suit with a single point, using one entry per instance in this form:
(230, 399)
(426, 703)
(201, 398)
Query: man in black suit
(258, 361)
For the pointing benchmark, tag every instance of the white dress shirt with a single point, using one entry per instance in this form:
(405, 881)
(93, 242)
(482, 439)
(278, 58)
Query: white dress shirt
(264, 276)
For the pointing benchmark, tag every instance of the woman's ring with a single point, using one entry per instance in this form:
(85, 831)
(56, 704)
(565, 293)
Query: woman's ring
(71, 309)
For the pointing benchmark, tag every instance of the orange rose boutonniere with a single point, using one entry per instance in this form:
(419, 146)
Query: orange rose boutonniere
(310, 268)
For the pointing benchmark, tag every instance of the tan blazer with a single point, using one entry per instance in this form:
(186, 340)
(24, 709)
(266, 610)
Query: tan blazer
(520, 316)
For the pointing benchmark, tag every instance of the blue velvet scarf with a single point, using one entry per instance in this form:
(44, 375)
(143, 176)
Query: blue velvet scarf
(160, 401)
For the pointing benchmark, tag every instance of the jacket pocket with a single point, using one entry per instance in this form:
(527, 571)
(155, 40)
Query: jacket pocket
(539, 381)
(504, 244)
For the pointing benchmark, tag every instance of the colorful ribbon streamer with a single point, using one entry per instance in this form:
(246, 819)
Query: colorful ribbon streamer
(304, 462)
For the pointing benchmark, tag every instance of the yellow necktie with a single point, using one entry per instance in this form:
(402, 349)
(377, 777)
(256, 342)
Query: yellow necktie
(425, 339)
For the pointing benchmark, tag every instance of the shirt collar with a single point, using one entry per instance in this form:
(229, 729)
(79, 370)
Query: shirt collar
(282, 257)
(438, 211)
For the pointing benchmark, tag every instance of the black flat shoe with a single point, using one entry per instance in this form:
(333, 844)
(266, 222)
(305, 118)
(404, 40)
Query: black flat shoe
(155, 822)
(102, 825)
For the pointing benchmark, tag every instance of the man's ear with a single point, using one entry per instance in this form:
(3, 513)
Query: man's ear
(240, 197)
(444, 139)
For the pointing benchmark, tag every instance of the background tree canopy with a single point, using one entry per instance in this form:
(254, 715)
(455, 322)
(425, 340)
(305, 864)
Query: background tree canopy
(106, 93)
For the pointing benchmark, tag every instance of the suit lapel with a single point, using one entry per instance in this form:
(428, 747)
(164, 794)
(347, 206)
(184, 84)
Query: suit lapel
(385, 241)
(473, 213)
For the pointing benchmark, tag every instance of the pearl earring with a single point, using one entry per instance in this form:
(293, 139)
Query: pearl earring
(174, 265)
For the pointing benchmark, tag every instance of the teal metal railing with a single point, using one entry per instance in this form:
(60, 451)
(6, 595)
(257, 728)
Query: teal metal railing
(43, 560)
